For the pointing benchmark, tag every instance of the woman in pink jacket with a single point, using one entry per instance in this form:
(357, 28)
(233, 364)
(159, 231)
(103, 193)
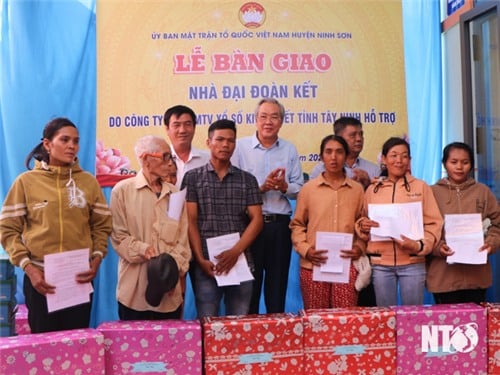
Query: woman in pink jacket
(398, 263)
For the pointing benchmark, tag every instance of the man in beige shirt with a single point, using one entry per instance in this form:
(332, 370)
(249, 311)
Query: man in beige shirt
(142, 229)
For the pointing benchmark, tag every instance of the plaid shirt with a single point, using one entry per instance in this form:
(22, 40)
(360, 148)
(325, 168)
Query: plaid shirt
(222, 204)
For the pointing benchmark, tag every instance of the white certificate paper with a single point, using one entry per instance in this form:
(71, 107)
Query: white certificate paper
(176, 204)
(240, 272)
(464, 235)
(336, 269)
(396, 219)
(60, 271)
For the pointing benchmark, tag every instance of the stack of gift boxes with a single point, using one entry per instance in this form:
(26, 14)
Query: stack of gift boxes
(145, 347)
(438, 339)
(8, 286)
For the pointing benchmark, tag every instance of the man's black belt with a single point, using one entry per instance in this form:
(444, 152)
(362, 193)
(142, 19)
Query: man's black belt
(271, 218)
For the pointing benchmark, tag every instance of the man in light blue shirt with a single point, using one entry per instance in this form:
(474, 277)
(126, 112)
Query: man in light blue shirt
(276, 165)
(359, 169)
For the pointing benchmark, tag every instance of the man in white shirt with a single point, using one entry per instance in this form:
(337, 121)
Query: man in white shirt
(357, 168)
(180, 123)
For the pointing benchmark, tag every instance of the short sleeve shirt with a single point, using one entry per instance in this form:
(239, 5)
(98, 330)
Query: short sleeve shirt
(222, 204)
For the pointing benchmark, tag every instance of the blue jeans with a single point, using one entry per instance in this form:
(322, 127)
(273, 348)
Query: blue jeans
(208, 295)
(409, 279)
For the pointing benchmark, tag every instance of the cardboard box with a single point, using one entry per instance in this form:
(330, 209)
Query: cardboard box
(493, 313)
(266, 344)
(441, 339)
(79, 351)
(358, 340)
(172, 347)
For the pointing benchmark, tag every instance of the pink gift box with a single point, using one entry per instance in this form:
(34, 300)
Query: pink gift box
(358, 340)
(79, 351)
(266, 344)
(22, 325)
(493, 310)
(153, 347)
(441, 339)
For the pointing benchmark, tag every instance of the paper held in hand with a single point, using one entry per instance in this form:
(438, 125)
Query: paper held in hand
(396, 219)
(176, 204)
(240, 272)
(336, 269)
(60, 270)
(464, 235)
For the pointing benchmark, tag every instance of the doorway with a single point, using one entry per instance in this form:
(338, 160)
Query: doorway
(481, 94)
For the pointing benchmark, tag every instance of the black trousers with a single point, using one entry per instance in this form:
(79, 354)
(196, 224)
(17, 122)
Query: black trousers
(366, 296)
(461, 296)
(126, 313)
(40, 320)
(271, 253)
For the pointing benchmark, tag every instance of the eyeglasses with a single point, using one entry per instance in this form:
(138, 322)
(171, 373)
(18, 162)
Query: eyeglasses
(125, 172)
(165, 156)
(272, 118)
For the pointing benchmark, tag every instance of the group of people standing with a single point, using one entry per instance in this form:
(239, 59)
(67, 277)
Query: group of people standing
(242, 186)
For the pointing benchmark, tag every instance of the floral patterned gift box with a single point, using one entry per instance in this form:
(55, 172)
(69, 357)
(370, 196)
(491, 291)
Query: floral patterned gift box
(79, 351)
(267, 344)
(169, 347)
(441, 339)
(493, 313)
(351, 341)
(22, 325)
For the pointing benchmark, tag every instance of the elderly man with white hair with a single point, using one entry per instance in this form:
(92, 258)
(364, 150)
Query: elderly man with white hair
(142, 230)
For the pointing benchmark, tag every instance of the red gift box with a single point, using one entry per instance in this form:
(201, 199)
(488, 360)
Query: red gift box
(358, 340)
(493, 311)
(266, 344)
